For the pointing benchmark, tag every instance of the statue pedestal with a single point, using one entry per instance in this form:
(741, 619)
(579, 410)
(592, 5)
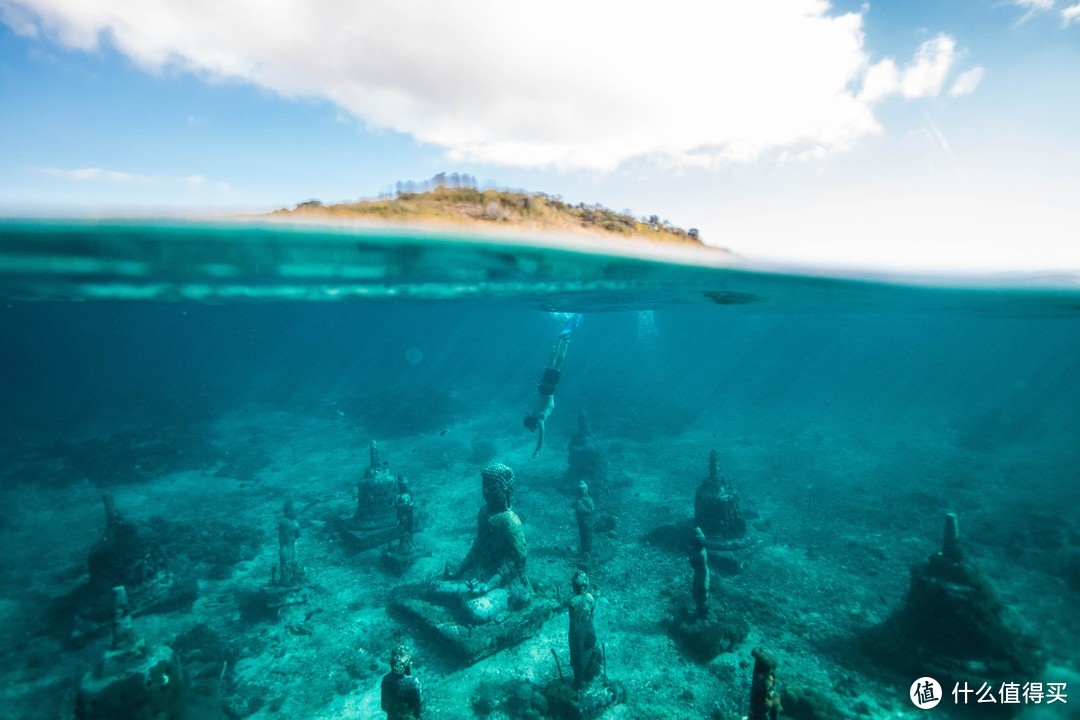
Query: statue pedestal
(471, 642)
(141, 684)
(589, 703)
(704, 637)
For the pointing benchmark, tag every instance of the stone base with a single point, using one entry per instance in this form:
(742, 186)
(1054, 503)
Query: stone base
(726, 557)
(144, 684)
(265, 604)
(565, 703)
(358, 538)
(397, 559)
(471, 642)
(703, 638)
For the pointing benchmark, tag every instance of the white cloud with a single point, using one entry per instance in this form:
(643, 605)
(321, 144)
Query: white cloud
(191, 182)
(1035, 4)
(1069, 14)
(923, 77)
(966, 82)
(577, 85)
(93, 173)
(926, 76)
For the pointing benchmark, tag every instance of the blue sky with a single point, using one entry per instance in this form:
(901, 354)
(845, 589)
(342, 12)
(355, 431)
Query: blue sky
(903, 135)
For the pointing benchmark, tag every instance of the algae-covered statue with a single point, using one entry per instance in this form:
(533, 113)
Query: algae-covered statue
(399, 556)
(703, 630)
(590, 693)
(584, 509)
(401, 696)
(699, 563)
(585, 653)
(288, 534)
(487, 602)
(491, 578)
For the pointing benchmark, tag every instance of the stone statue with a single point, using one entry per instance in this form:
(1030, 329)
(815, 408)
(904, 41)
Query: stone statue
(699, 562)
(716, 507)
(406, 513)
(402, 697)
(764, 700)
(703, 631)
(123, 632)
(400, 556)
(487, 603)
(133, 680)
(288, 534)
(591, 693)
(375, 521)
(491, 578)
(585, 657)
(583, 512)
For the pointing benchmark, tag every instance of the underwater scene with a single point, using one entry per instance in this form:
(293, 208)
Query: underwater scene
(263, 471)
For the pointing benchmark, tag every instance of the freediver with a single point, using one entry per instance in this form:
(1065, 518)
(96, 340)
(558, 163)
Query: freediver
(545, 389)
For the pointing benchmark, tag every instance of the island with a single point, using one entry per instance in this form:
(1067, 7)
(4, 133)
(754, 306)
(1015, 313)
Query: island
(457, 200)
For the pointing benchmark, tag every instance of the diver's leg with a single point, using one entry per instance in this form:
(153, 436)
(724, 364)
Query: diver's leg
(559, 352)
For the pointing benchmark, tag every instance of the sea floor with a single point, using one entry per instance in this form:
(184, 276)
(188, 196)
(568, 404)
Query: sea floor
(841, 514)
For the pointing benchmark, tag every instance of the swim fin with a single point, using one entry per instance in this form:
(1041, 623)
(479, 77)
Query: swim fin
(571, 326)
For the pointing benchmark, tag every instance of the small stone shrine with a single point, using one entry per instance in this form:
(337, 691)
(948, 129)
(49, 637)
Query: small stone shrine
(953, 627)
(375, 521)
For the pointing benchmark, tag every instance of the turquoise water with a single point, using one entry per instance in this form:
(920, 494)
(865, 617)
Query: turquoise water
(203, 373)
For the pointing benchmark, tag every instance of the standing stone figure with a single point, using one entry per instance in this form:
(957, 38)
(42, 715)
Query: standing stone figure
(585, 657)
(123, 632)
(699, 562)
(764, 700)
(406, 513)
(288, 534)
(583, 511)
(402, 698)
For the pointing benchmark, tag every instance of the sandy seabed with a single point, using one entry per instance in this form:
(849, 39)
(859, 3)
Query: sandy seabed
(840, 519)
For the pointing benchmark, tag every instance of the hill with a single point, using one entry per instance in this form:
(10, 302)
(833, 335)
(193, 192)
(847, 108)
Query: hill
(519, 210)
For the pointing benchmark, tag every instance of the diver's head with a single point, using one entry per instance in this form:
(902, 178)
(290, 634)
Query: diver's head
(530, 422)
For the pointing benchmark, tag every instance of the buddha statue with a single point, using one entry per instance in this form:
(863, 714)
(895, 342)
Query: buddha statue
(491, 579)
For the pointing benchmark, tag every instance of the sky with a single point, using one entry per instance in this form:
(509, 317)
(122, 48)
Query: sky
(917, 135)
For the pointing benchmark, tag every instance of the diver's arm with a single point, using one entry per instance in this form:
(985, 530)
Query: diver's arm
(539, 437)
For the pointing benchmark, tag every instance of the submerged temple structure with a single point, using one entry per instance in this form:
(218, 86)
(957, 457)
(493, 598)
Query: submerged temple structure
(375, 521)
(133, 680)
(952, 625)
(717, 510)
(585, 459)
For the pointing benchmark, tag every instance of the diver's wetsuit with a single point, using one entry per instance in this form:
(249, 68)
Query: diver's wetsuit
(548, 381)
